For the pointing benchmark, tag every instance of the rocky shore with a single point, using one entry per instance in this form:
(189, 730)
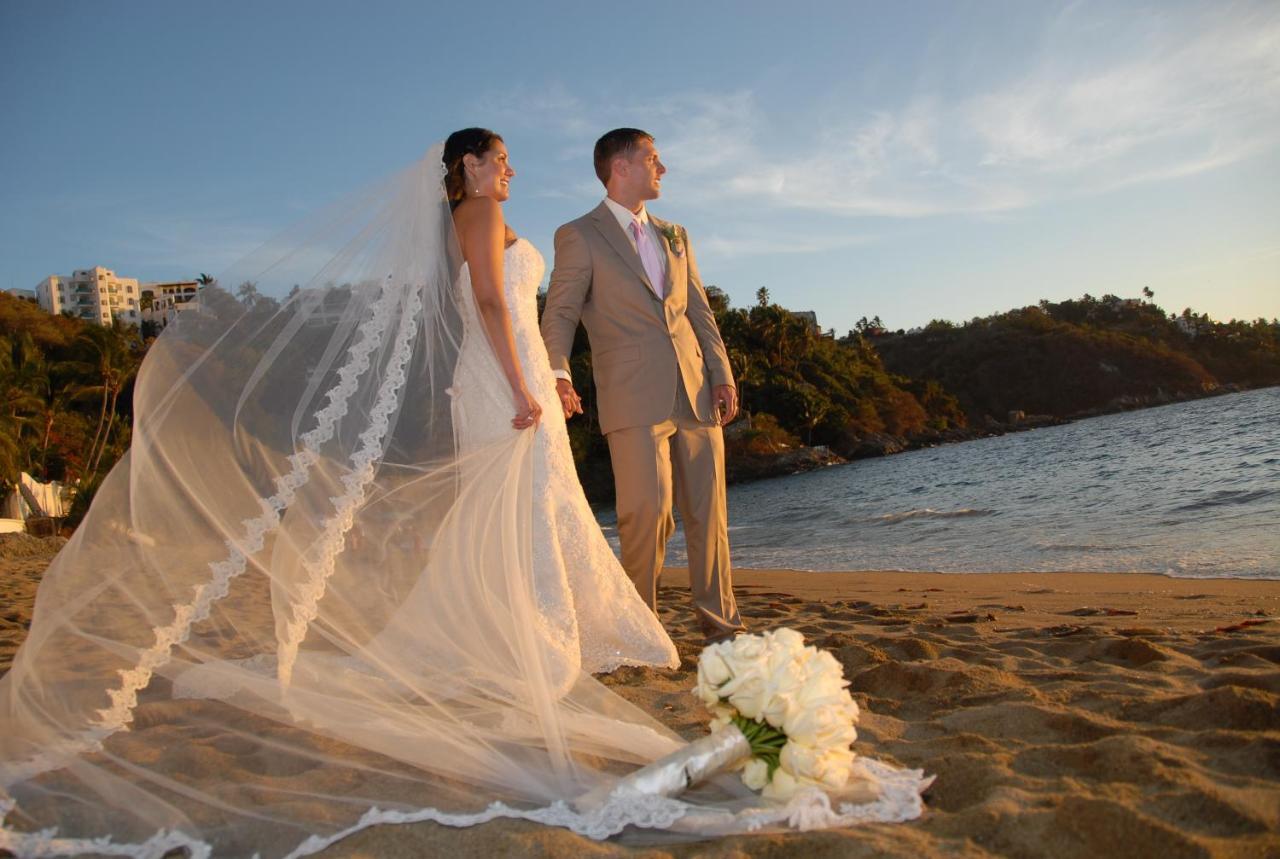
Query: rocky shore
(743, 466)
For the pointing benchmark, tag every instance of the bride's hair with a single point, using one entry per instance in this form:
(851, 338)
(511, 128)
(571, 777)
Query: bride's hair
(618, 142)
(466, 141)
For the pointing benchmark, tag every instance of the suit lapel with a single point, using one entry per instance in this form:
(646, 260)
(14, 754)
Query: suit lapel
(608, 226)
(661, 227)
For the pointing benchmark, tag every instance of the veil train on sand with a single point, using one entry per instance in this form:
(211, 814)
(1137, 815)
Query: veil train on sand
(296, 610)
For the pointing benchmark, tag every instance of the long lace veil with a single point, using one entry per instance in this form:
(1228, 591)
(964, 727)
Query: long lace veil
(296, 608)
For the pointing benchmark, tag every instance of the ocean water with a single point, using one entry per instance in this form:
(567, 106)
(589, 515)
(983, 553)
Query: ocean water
(1191, 489)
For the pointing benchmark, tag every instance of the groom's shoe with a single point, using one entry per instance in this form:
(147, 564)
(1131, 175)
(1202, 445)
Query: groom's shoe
(716, 638)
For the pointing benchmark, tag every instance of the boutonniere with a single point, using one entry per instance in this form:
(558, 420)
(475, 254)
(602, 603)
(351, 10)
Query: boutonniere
(674, 237)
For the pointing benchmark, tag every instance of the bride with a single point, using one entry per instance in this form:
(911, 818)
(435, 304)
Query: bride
(346, 575)
(592, 616)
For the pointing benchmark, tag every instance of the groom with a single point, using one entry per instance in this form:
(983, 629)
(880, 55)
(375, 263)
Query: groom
(662, 376)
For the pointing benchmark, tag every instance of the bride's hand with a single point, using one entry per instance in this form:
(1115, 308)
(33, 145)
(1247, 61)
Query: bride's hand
(528, 412)
(569, 399)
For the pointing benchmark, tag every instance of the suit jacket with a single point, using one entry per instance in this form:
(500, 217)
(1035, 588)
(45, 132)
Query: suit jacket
(637, 339)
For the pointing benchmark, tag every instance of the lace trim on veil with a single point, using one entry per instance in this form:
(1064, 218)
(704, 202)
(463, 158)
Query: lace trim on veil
(124, 698)
(372, 448)
(809, 809)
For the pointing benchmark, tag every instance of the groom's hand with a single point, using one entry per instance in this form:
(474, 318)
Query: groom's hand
(725, 400)
(569, 399)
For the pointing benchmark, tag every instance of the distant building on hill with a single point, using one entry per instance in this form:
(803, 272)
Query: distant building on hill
(809, 316)
(93, 294)
(24, 294)
(164, 301)
(1187, 325)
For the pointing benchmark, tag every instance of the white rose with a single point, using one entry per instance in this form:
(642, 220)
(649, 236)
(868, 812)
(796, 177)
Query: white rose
(748, 696)
(742, 670)
(708, 695)
(800, 759)
(784, 679)
(805, 709)
(823, 726)
(825, 694)
(781, 688)
(747, 648)
(786, 640)
(721, 647)
(835, 768)
(785, 668)
(782, 786)
(821, 691)
(755, 774)
(777, 658)
(777, 709)
(826, 767)
(712, 668)
(820, 664)
(721, 717)
(713, 673)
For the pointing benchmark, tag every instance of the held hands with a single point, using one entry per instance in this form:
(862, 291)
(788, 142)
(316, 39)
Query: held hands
(569, 399)
(528, 412)
(724, 398)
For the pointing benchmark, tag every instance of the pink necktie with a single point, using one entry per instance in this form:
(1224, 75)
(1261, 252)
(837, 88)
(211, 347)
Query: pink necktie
(649, 257)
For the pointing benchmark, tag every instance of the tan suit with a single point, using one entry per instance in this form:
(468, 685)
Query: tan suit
(654, 361)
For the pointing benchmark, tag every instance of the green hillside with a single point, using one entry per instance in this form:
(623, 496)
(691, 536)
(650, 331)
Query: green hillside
(1084, 356)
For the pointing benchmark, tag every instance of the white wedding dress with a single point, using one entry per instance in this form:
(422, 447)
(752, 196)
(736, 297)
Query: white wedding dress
(589, 615)
(330, 588)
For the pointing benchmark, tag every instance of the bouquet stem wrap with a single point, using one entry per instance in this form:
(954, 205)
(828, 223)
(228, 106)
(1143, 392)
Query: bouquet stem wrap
(681, 769)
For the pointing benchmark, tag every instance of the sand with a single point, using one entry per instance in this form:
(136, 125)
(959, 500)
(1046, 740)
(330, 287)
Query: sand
(1064, 714)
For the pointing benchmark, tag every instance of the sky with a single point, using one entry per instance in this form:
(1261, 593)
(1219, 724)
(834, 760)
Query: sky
(912, 160)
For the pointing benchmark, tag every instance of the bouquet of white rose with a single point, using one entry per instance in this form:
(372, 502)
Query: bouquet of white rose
(791, 704)
(781, 713)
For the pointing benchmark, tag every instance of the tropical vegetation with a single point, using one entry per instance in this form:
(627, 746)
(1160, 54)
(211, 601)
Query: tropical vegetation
(1084, 356)
(67, 385)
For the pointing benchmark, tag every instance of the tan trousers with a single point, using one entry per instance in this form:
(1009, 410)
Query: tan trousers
(645, 459)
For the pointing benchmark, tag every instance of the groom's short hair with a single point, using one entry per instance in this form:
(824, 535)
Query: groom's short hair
(619, 142)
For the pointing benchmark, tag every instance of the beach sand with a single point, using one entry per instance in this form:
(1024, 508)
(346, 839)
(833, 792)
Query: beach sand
(1064, 714)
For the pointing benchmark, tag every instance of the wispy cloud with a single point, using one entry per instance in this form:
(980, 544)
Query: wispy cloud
(741, 244)
(1188, 95)
(170, 245)
(1111, 98)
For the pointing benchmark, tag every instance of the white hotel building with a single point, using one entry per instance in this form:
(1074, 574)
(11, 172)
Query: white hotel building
(94, 294)
(170, 299)
(100, 295)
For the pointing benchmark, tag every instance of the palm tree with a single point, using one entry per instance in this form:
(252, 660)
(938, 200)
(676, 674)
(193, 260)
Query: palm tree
(34, 400)
(248, 294)
(123, 372)
(109, 365)
(11, 420)
(55, 401)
